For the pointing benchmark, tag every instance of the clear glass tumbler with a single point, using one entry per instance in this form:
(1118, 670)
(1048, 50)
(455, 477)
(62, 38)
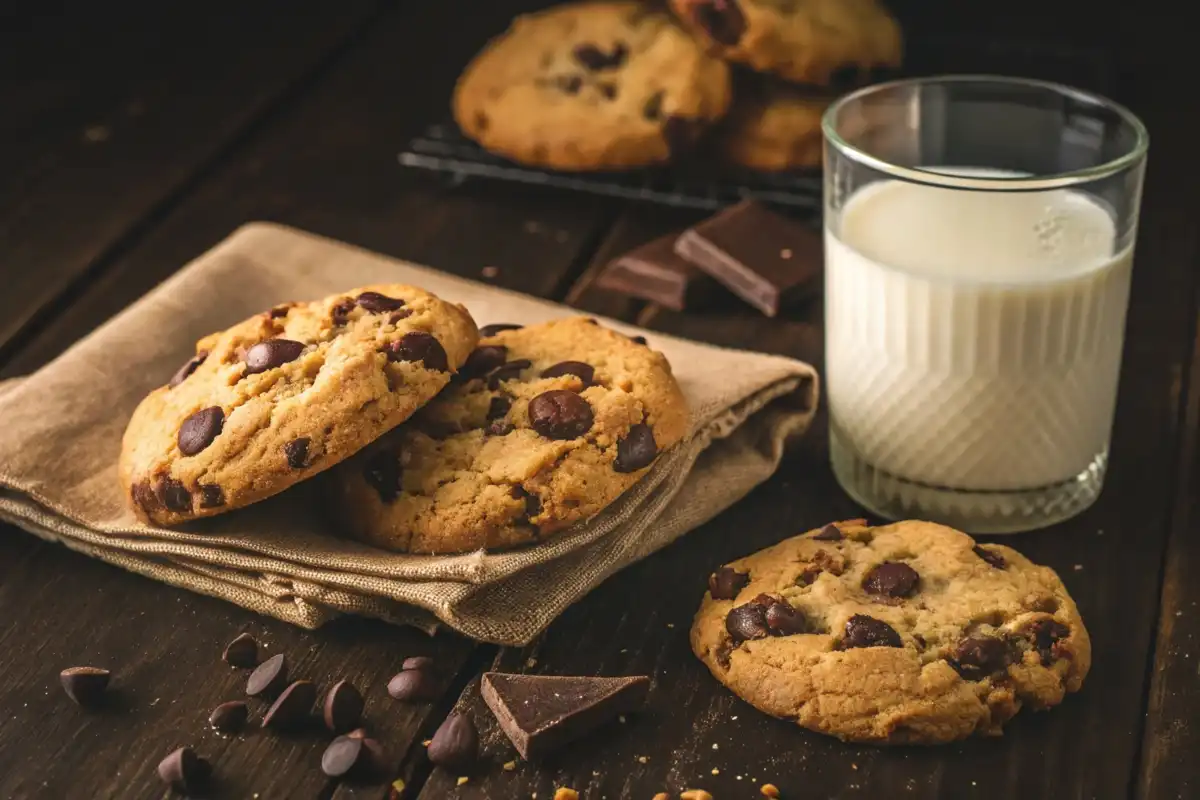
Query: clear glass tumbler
(979, 237)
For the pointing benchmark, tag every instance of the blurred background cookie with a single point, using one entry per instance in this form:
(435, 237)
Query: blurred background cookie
(773, 126)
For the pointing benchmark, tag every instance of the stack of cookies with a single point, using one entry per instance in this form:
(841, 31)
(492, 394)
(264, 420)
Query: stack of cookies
(430, 435)
(613, 85)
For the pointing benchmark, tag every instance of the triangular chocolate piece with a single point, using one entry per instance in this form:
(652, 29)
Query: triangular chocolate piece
(540, 713)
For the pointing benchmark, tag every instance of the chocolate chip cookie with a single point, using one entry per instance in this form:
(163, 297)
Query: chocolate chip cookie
(286, 394)
(805, 41)
(773, 126)
(591, 86)
(905, 633)
(543, 426)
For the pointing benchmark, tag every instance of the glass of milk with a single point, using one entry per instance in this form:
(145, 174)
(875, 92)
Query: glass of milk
(979, 238)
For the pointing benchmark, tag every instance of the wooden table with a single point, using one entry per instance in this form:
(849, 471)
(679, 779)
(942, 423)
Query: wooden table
(134, 137)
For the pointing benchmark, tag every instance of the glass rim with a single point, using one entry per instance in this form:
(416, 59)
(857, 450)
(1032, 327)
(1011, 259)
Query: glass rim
(948, 180)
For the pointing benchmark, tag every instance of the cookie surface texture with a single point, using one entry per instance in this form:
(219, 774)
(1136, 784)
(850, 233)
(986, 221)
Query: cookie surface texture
(544, 426)
(591, 86)
(908, 633)
(285, 395)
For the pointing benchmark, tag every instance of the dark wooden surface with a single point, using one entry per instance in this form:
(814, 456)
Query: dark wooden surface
(135, 135)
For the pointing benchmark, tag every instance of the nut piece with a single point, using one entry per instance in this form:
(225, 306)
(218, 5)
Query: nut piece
(769, 790)
(563, 793)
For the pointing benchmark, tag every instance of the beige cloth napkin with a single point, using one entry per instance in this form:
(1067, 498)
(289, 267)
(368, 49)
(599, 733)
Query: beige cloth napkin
(61, 433)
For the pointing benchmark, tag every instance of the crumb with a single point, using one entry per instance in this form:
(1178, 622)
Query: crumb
(426, 742)
(1078, 567)
(96, 133)
(489, 271)
(397, 785)
(624, 649)
(739, 777)
(642, 759)
(853, 765)
(531, 663)
(532, 227)
(509, 766)
(462, 780)
(769, 790)
(716, 771)
(670, 624)
(716, 746)
(595, 773)
(733, 718)
(1179, 613)
(695, 794)
(563, 793)
(622, 719)
(785, 253)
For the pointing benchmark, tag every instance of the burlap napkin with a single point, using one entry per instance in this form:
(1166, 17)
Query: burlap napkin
(61, 431)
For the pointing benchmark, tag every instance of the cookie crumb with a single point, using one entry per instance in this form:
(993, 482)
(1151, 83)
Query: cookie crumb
(462, 780)
(695, 794)
(509, 766)
(785, 253)
(716, 771)
(670, 624)
(622, 719)
(531, 663)
(769, 790)
(642, 759)
(397, 785)
(1078, 567)
(716, 746)
(563, 793)
(489, 271)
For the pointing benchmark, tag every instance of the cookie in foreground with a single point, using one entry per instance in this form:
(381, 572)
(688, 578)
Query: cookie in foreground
(908, 633)
(286, 394)
(544, 426)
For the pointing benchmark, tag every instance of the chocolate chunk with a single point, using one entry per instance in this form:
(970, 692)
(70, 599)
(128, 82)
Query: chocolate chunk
(229, 717)
(784, 620)
(211, 495)
(766, 259)
(609, 90)
(417, 662)
(594, 59)
(419, 346)
(995, 559)
(268, 678)
(482, 361)
(455, 745)
(864, 631)
(638, 340)
(560, 414)
(242, 652)
(351, 756)
(507, 372)
(292, 707)
(396, 316)
(173, 495)
(271, 354)
(184, 771)
(413, 686)
(541, 714)
(85, 685)
(200, 429)
(977, 657)
(636, 450)
(376, 303)
(1046, 635)
(340, 313)
(384, 474)
(829, 533)
(652, 109)
(747, 622)
(533, 503)
(343, 707)
(498, 407)
(184, 372)
(655, 272)
(585, 372)
(497, 327)
(726, 582)
(297, 452)
(721, 19)
(891, 579)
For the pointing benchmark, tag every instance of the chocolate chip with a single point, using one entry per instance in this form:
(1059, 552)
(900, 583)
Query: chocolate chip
(85, 685)
(280, 311)
(242, 652)
(413, 685)
(585, 372)
(211, 495)
(560, 414)
(271, 354)
(809, 575)
(417, 662)
(829, 533)
(297, 452)
(568, 84)
(184, 372)
(343, 707)
(995, 559)
(1046, 635)
(747, 622)
(721, 19)
(377, 303)
(173, 495)
(595, 59)
(497, 327)
(507, 372)
(396, 316)
(268, 678)
(500, 427)
(636, 449)
(184, 771)
(482, 361)
(200, 429)
(864, 631)
(340, 313)
(384, 474)
(292, 707)
(726, 582)
(533, 503)
(498, 407)
(352, 757)
(456, 744)
(977, 657)
(419, 346)
(229, 717)
(653, 108)
(638, 340)
(143, 496)
(609, 90)
(785, 620)
(891, 579)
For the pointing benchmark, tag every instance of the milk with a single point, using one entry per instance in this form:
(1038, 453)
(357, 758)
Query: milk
(974, 338)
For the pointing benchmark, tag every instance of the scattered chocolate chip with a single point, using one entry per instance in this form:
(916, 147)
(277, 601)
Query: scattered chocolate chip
(785, 620)
(533, 503)
(864, 631)
(184, 372)
(297, 452)
(652, 110)
(211, 495)
(455, 746)
(417, 662)
(271, 354)
(747, 622)
(497, 327)
(229, 717)
(891, 579)
(352, 757)
(1046, 635)
(292, 707)
(413, 685)
(242, 652)
(721, 19)
(994, 559)
(376, 303)
(568, 84)
(340, 313)
(560, 414)
(85, 685)
(585, 372)
(507, 372)
(200, 429)
(172, 494)
(343, 707)
(726, 582)
(482, 361)
(269, 678)
(829, 533)
(384, 474)
(419, 346)
(637, 449)
(977, 657)
(498, 407)
(609, 90)
(595, 59)
(184, 771)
